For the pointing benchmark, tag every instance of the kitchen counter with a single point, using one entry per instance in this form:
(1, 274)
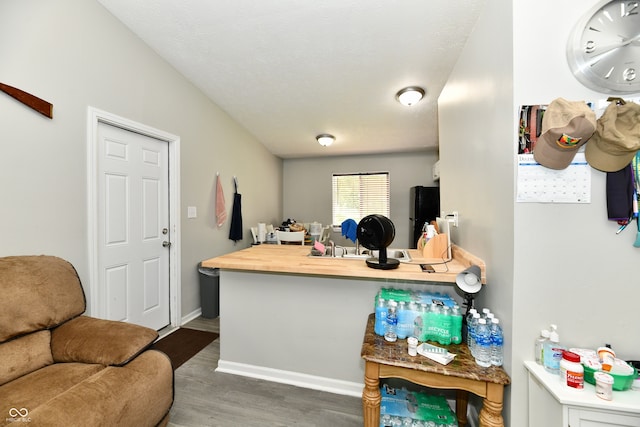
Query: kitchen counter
(292, 259)
(292, 318)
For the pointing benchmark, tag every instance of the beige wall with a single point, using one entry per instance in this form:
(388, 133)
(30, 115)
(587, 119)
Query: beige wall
(307, 186)
(74, 54)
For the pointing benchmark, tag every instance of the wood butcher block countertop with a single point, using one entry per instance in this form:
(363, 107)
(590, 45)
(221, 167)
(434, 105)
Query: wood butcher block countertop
(292, 259)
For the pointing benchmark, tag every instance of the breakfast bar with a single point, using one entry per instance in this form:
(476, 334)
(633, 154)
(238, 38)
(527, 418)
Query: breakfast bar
(289, 317)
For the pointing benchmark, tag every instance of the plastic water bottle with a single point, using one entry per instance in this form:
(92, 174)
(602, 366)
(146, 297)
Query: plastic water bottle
(497, 343)
(456, 325)
(390, 333)
(381, 317)
(403, 318)
(483, 343)
(413, 310)
(472, 333)
(433, 319)
(420, 331)
(444, 328)
(539, 346)
(467, 321)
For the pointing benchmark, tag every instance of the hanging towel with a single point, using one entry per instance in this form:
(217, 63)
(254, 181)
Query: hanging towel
(350, 229)
(235, 232)
(221, 209)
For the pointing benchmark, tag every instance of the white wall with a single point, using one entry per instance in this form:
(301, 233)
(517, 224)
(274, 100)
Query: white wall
(476, 160)
(546, 263)
(74, 54)
(307, 186)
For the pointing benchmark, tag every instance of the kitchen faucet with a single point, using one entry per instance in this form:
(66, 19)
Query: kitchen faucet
(332, 248)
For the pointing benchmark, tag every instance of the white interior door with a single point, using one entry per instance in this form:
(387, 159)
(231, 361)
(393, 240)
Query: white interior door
(133, 228)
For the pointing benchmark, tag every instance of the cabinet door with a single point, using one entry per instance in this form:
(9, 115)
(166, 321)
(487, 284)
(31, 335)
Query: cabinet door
(593, 418)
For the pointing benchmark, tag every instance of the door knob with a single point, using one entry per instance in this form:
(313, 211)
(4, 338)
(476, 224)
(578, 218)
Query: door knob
(165, 231)
(166, 244)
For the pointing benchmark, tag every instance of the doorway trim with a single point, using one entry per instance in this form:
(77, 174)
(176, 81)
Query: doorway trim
(94, 118)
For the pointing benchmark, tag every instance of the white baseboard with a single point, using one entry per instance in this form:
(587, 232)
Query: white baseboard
(189, 317)
(329, 385)
(312, 382)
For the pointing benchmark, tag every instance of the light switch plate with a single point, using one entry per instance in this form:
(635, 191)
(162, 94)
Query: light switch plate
(192, 212)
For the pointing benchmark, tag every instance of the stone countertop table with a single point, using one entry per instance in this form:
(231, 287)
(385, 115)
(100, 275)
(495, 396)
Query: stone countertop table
(391, 360)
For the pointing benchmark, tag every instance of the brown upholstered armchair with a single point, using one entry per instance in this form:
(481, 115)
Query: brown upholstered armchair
(58, 367)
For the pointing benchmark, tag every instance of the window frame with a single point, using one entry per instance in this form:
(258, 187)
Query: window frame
(362, 210)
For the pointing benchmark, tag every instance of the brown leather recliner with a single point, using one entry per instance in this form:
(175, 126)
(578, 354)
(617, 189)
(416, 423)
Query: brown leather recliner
(58, 367)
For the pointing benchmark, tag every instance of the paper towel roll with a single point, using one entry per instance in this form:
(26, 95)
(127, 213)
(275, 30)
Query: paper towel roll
(262, 232)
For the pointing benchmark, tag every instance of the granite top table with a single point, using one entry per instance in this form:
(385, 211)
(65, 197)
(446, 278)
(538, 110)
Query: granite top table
(391, 360)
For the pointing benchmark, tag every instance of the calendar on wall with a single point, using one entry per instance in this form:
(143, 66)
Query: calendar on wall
(536, 183)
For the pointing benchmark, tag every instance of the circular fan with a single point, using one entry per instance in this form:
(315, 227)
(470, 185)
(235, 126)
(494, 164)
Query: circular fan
(376, 232)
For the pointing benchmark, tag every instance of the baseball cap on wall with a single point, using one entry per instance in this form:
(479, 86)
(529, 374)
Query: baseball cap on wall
(617, 137)
(566, 126)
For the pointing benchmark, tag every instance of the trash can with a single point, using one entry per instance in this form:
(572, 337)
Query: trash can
(209, 291)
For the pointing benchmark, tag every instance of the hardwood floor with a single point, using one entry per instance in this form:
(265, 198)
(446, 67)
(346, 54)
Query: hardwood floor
(204, 397)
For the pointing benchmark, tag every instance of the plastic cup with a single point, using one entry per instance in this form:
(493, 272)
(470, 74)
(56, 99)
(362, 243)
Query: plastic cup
(412, 346)
(604, 385)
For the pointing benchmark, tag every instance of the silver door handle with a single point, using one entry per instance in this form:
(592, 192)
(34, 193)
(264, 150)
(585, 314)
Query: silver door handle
(166, 244)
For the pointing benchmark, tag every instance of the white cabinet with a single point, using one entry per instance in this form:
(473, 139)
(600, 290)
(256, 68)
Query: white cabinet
(580, 417)
(551, 404)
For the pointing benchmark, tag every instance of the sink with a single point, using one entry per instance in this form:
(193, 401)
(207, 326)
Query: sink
(349, 252)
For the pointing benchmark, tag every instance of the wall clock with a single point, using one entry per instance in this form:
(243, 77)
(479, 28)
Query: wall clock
(603, 49)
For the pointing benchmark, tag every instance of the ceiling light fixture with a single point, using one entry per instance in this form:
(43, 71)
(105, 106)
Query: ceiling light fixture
(410, 95)
(325, 139)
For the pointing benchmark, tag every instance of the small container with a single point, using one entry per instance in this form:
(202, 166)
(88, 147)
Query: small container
(620, 382)
(412, 346)
(607, 356)
(604, 385)
(571, 370)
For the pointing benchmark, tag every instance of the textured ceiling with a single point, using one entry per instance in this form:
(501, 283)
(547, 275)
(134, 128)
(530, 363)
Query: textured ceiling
(288, 70)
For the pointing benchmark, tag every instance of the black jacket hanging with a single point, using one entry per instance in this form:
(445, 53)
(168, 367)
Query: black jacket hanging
(620, 194)
(235, 232)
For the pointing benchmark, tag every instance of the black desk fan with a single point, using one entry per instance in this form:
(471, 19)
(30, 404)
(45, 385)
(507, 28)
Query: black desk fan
(376, 232)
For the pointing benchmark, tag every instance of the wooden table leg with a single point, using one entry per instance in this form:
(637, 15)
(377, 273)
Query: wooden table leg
(491, 412)
(371, 395)
(462, 398)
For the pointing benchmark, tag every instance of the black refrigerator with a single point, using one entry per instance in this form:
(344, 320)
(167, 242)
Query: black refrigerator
(424, 207)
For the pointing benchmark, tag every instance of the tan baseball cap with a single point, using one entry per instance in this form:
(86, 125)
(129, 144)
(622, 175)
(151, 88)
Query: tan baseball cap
(617, 137)
(566, 126)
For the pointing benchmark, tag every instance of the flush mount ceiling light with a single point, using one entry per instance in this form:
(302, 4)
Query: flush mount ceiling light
(410, 95)
(325, 139)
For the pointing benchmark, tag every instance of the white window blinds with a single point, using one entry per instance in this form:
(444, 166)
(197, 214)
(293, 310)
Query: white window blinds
(358, 195)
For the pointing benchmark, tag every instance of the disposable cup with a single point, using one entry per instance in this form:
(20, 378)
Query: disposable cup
(412, 346)
(604, 385)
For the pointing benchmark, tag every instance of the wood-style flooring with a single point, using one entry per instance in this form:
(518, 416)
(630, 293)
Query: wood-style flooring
(204, 397)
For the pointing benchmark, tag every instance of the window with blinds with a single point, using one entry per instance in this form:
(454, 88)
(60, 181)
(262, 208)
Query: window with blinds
(356, 195)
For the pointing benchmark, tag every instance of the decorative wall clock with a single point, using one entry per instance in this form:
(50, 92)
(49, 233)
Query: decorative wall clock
(603, 49)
